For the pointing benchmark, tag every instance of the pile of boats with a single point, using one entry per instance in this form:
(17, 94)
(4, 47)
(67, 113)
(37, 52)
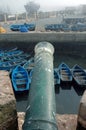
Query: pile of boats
(9, 59)
(66, 27)
(66, 75)
(23, 27)
(20, 66)
(57, 27)
(22, 75)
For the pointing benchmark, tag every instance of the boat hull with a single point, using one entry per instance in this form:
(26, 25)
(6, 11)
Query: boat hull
(20, 79)
(79, 75)
(65, 73)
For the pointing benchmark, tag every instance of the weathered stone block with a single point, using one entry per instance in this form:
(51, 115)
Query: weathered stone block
(8, 113)
(82, 111)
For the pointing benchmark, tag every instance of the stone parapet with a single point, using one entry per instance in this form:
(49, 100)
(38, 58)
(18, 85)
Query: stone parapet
(82, 111)
(8, 113)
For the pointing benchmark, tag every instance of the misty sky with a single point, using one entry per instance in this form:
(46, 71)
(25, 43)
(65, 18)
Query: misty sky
(18, 5)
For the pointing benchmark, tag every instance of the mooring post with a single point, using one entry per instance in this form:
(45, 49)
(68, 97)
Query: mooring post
(41, 108)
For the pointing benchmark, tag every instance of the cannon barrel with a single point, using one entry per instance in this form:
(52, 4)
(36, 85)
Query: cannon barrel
(41, 108)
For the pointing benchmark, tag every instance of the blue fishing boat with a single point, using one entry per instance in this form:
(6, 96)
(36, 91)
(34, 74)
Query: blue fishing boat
(10, 49)
(30, 74)
(15, 58)
(4, 50)
(16, 27)
(79, 75)
(24, 56)
(20, 79)
(13, 53)
(4, 54)
(56, 77)
(29, 64)
(23, 29)
(6, 66)
(9, 65)
(65, 73)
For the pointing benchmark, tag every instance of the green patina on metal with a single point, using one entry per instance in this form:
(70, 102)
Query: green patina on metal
(41, 108)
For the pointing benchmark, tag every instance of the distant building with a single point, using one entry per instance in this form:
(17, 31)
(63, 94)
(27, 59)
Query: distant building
(70, 10)
(74, 14)
(74, 19)
(11, 17)
(83, 9)
(49, 14)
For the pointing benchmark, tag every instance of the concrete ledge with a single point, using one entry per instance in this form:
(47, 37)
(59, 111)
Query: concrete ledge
(8, 113)
(44, 36)
(64, 42)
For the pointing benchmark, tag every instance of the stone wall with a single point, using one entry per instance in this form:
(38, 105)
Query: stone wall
(8, 113)
(64, 42)
(82, 112)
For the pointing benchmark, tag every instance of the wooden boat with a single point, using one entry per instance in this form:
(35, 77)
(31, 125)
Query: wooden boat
(9, 65)
(20, 79)
(16, 27)
(23, 29)
(79, 75)
(65, 73)
(56, 77)
(15, 58)
(10, 49)
(6, 66)
(23, 56)
(13, 53)
(29, 64)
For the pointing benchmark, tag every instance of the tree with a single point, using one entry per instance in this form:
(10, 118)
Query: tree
(32, 8)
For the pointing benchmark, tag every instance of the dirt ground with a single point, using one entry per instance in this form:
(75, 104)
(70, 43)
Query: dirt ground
(64, 122)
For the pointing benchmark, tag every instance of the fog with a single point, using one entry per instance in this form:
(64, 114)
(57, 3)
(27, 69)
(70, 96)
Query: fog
(45, 5)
